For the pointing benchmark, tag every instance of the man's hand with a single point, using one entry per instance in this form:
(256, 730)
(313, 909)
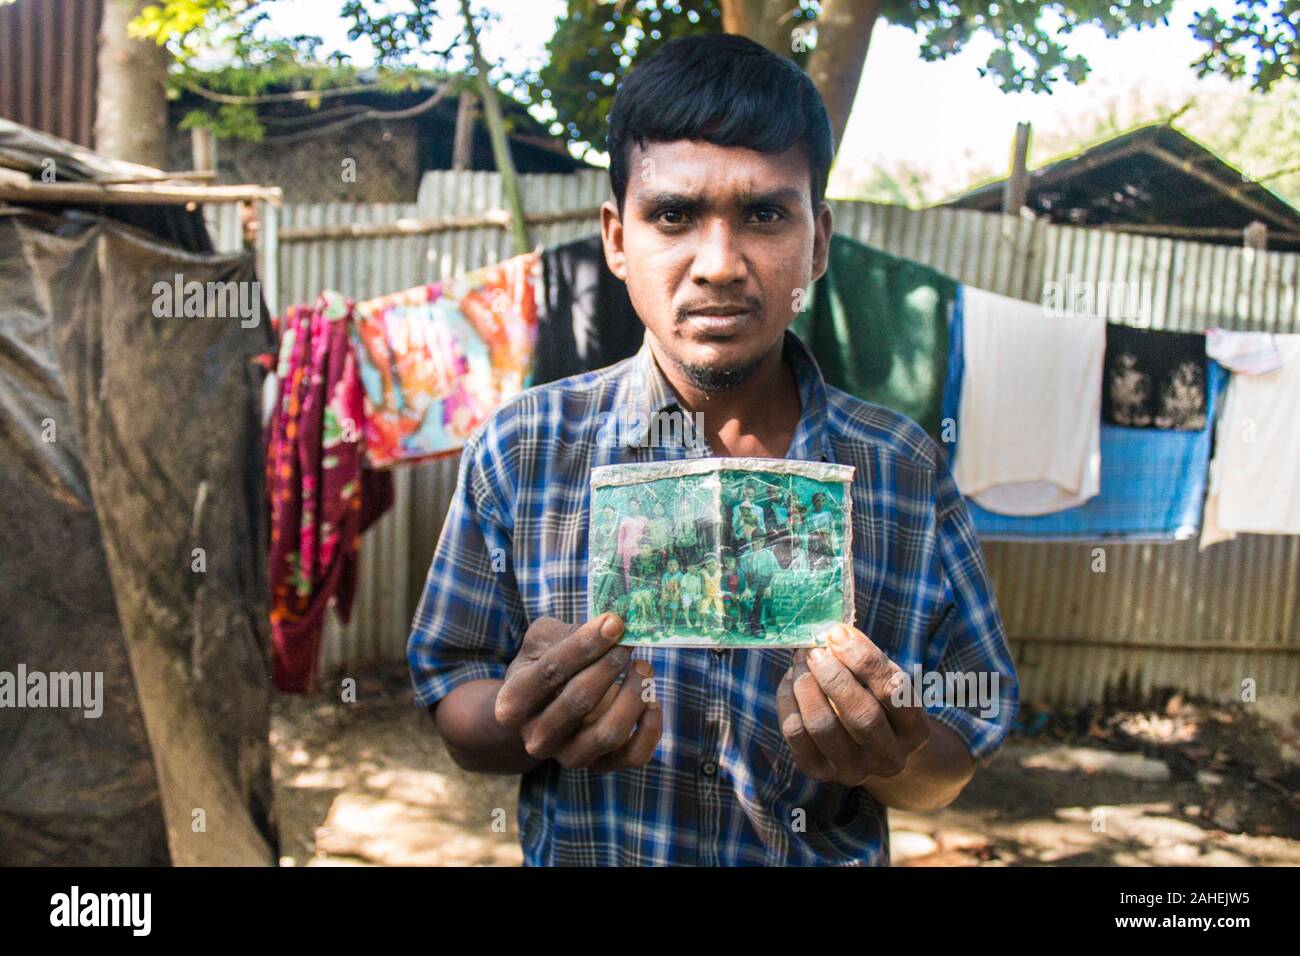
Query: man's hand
(559, 696)
(837, 714)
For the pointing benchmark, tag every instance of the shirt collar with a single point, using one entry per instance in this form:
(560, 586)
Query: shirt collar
(651, 394)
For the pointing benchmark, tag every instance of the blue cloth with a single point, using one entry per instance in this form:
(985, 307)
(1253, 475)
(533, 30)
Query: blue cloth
(1152, 480)
(722, 787)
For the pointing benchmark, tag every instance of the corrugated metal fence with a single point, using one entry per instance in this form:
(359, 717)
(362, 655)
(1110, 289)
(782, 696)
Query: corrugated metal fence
(1160, 615)
(49, 66)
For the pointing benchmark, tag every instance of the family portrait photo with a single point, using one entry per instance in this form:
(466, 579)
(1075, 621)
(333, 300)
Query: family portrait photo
(702, 553)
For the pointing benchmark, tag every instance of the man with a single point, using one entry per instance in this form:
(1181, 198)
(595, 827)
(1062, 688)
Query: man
(719, 153)
(745, 511)
(758, 565)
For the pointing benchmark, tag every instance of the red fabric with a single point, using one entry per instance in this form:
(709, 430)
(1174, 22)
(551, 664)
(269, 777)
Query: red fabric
(321, 498)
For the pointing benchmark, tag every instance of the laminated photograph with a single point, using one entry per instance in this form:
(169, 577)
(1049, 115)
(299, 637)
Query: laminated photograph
(722, 552)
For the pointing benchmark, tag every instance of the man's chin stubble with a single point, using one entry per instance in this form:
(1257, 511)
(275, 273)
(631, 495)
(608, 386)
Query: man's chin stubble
(713, 378)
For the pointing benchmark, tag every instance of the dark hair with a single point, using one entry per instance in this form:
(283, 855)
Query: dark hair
(726, 90)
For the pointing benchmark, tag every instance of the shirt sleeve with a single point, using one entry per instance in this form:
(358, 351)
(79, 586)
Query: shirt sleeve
(470, 621)
(968, 645)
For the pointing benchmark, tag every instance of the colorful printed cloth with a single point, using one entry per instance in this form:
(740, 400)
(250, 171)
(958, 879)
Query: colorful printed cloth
(436, 360)
(321, 498)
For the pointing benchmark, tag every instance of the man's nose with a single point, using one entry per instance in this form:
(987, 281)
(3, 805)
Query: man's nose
(719, 259)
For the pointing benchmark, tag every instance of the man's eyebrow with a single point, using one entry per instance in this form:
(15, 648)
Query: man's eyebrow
(647, 200)
(780, 196)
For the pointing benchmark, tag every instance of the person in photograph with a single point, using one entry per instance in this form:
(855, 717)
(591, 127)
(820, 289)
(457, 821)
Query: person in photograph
(758, 564)
(733, 593)
(692, 588)
(747, 512)
(631, 530)
(647, 574)
(685, 534)
(670, 594)
(712, 611)
(659, 530)
(821, 532)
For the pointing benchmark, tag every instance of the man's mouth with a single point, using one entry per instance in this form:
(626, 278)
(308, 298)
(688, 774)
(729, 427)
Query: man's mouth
(719, 320)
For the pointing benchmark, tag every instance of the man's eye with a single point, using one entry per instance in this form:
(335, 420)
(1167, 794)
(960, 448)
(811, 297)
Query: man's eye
(766, 215)
(671, 217)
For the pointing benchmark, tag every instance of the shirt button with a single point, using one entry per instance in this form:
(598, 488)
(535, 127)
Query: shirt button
(709, 768)
(719, 650)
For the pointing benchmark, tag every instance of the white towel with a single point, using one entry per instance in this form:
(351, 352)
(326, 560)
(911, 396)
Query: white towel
(1255, 474)
(1030, 428)
(1248, 353)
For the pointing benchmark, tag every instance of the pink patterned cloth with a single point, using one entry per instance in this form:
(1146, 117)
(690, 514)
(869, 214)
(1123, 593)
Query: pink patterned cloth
(321, 498)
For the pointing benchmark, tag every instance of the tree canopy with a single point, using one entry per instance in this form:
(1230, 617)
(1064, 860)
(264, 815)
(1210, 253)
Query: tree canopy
(597, 42)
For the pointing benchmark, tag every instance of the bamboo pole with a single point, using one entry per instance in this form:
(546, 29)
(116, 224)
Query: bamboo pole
(500, 143)
(493, 218)
(135, 194)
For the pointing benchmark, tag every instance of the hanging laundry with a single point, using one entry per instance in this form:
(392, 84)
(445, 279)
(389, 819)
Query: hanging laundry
(1029, 408)
(1153, 379)
(436, 360)
(1255, 475)
(585, 319)
(1246, 353)
(321, 496)
(878, 326)
(1152, 480)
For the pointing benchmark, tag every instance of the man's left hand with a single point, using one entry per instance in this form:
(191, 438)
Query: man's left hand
(838, 713)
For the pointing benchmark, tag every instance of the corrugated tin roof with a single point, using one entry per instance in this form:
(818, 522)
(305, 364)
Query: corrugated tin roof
(1146, 178)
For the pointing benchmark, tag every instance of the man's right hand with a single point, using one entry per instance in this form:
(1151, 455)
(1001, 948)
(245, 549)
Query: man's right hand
(559, 696)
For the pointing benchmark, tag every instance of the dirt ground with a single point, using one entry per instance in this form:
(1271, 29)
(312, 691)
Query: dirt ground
(370, 783)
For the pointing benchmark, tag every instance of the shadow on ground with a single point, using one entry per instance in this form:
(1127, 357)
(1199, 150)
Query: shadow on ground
(369, 783)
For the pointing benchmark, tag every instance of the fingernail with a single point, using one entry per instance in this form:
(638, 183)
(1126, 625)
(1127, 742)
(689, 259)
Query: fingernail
(612, 627)
(654, 705)
(818, 655)
(643, 668)
(839, 637)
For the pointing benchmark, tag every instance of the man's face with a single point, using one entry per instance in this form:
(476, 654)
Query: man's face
(714, 242)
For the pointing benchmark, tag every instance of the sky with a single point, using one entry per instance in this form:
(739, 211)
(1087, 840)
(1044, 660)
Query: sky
(942, 117)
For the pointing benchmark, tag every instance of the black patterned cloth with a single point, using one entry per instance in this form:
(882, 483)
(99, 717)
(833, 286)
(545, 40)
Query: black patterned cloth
(1153, 379)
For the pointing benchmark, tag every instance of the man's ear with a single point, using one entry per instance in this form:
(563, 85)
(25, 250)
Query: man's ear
(822, 230)
(611, 235)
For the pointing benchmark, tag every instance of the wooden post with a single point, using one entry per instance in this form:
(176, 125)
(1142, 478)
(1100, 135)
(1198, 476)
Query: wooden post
(1016, 189)
(462, 146)
(500, 145)
(203, 149)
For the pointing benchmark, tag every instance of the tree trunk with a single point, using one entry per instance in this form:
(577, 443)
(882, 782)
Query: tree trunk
(763, 21)
(131, 103)
(462, 144)
(835, 64)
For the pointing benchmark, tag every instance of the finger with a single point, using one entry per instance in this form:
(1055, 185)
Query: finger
(859, 712)
(824, 726)
(527, 692)
(637, 751)
(613, 728)
(806, 755)
(887, 681)
(603, 705)
(550, 730)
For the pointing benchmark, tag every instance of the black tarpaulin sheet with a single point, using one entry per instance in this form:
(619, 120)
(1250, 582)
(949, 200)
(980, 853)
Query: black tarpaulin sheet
(137, 529)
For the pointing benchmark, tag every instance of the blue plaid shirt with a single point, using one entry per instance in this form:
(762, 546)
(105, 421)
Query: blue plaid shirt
(722, 787)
